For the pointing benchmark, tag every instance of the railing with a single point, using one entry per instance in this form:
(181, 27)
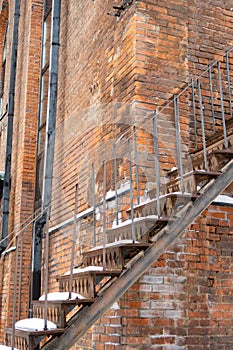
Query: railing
(134, 169)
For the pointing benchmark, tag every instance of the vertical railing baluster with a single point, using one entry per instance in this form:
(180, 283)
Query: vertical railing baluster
(229, 82)
(194, 112)
(93, 204)
(46, 269)
(178, 141)
(20, 273)
(104, 215)
(131, 190)
(222, 106)
(211, 96)
(15, 291)
(115, 183)
(202, 124)
(157, 165)
(136, 163)
(73, 241)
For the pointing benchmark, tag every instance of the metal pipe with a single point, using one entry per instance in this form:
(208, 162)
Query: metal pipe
(211, 96)
(73, 241)
(104, 215)
(222, 106)
(52, 105)
(194, 113)
(115, 182)
(9, 139)
(157, 165)
(93, 204)
(36, 257)
(15, 292)
(46, 277)
(202, 124)
(136, 162)
(178, 141)
(49, 147)
(229, 81)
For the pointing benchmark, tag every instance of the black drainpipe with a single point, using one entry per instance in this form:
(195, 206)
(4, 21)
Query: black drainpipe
(49, 150)
(10, 112)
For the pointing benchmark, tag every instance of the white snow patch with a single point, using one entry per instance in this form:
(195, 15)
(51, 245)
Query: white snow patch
(85, 269)
(223, 199)
(4, 347)
(129, 221)
(61, 296)
(110, 194)
(123, 188)
(34, 324)
(115, 306)
(114, 244)
(11, 249)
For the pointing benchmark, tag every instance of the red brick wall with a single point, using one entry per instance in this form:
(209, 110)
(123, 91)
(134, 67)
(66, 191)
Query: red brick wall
(23, 158)
(112, 74)
(184, 300)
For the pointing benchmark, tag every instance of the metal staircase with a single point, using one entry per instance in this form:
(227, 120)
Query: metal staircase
(129, 248)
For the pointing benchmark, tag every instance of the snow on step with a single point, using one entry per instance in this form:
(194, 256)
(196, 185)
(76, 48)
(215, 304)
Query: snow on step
(136, 220)
(223, 199)
(60, 296)
(34, 325)
(85, 269)
(4, 347)
(114, 244)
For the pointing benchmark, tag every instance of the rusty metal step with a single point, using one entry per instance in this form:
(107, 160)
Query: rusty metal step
(193, 181)
(136, 230)
(116, 254)
(57, 310)
(87, 283)
(28, 340)
(169, 204)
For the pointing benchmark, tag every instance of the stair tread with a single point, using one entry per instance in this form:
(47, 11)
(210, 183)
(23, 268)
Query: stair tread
(64, 302)
(119, 245)
(23, 332)
(150, 218)
(104, 272)
(224, 151)
(166, 195)
(199, 173)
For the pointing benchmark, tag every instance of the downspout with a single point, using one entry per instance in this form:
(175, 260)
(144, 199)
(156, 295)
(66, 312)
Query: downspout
(11, 107)
(49, 149)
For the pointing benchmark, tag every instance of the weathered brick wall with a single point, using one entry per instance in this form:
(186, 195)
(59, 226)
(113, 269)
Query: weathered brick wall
(210, 29)
(184, 301)
(112, 74)
(23, 157)
(116, 71)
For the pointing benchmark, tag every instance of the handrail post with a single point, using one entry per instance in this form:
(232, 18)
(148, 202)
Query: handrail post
(93, 204)
(157, 165)
(73, 241)
(115, 183)
(202, 124)
(131, 190)
(178, 141)
(104, 215)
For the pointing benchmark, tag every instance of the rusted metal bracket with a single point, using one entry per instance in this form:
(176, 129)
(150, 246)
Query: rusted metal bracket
(118, 9)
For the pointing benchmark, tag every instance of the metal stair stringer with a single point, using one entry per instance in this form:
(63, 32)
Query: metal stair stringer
(82, 321)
